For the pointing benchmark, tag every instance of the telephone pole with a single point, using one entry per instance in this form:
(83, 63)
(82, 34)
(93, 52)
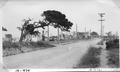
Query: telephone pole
(103, 30)
(101, 20)
(48, 32)
(76, 32)
(85, 29)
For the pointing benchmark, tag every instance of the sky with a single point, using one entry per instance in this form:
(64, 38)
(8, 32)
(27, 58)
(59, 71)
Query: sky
(84, 13)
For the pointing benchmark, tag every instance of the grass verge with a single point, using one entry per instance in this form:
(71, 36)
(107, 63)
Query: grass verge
(90, 59)
(13, 48)
(113, 58)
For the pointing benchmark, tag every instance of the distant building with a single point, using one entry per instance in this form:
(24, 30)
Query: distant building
(83, 35)
(66, 36)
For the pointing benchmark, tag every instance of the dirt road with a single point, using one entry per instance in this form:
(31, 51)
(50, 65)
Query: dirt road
(62, 56)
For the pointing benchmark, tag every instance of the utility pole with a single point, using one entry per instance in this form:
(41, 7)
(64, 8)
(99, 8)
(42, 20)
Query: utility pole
(103, 30)
(90, 33)
(76, 32)
(85, 29)
(48, 32)
(101, 20)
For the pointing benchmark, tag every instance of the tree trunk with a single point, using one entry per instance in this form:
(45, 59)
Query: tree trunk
(43, 37)
(20, 41)
(58, 34)
(23, 35)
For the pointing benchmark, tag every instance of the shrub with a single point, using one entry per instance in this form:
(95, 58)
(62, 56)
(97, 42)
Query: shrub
(15, 45)
(113, 47)
(39, 43)
(8, 44)
(34, 44)
(12, 48)
(112, 44)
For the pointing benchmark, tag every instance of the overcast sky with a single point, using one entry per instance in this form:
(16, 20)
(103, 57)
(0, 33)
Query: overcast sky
(84, 13)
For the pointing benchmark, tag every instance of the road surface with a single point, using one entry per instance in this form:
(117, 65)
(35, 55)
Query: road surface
(62, 56)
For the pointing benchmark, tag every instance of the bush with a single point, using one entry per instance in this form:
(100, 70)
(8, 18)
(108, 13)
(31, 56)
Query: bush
(112, 44)
(94, 51)
(34, 44)
(39, 43)
(8, 44)
(13, 48)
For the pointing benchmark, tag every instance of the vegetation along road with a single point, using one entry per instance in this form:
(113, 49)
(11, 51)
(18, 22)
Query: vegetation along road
(62, 56)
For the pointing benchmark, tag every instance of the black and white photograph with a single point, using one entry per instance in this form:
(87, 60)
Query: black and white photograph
(60, 34)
